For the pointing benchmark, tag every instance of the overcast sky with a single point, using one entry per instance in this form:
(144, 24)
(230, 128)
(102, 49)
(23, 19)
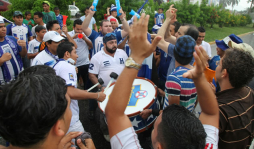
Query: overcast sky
(242, 5)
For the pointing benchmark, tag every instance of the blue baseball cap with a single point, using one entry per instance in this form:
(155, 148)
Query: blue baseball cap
(223, 44)
(108, 37)
(184, 48)
(113, 8)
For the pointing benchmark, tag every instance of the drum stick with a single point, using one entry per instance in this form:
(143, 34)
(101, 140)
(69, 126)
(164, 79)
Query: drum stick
(100, 81)
(113, 77)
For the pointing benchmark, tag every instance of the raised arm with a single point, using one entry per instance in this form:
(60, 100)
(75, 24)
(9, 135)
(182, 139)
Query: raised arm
(125, 26)
(86, 22)
(170, 14)
(207, 99)
(141, 48)
(65, 30)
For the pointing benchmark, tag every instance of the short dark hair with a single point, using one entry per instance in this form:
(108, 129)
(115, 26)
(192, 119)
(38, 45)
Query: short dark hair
(240, 67)
(177, 25)
(161, 9)
(38, 69)
(27, 13)
(63, 47)
(39, 14)
(25, 124)
(45, 3)
(50, 24)
(87, 8)
(39, 28)
(49, 41)
(101, 24)
(56, 8)
(77, 22)
(192, 31)
(201, 29)
(180, 129)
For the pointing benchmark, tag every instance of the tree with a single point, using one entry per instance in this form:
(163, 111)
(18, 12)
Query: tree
(36, 5)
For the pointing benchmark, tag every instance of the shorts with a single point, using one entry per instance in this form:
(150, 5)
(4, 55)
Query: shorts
(125, 139)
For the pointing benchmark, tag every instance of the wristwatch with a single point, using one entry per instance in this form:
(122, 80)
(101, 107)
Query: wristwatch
(130, 63)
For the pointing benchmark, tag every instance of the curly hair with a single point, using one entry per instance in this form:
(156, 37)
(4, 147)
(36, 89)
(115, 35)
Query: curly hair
(240, 67)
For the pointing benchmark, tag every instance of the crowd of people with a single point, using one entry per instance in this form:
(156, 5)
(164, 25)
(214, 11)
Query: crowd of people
(42, 65)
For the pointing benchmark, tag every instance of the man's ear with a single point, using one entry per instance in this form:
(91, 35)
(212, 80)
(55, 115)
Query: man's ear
(58, 128)
(67, 54)
(224, 73)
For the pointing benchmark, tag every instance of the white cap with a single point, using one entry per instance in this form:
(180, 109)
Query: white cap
(1, 19)
(52, 35)
(241, 46)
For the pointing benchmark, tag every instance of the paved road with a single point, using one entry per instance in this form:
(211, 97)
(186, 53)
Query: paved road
(249, 39)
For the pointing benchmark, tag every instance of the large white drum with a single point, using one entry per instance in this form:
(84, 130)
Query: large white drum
(143, 96)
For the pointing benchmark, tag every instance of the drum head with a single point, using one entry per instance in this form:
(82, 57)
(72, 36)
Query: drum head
(142, 95)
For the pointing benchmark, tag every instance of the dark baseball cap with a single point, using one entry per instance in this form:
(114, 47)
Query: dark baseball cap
(17, 13)
(184, 48)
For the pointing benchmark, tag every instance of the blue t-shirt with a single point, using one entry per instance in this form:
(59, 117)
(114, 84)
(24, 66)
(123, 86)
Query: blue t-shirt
(214, 62)
(97, 40)
(172, 63)
(159, 17)
(22, 32)
(165, 60)
(60, 20)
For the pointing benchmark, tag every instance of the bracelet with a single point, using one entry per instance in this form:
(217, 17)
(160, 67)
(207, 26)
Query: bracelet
(98, 96)
(122, 19)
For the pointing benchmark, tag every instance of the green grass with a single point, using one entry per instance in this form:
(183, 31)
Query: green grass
(219, 33)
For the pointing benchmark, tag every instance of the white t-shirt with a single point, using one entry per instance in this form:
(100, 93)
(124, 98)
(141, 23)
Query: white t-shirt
(43, 58)
(207, 48)
(33, 29)
(68, 72)
(82, 50)
(111, 17)
(103, 64)
(128, 138)
(92, 22)
(33, 47)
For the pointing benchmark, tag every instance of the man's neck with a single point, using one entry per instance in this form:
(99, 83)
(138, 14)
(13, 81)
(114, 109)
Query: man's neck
(17, 24)
(186, 66)
(1, 39)
(198, 44)
(27, 19)
(110, 54)
(225, 85)
(51, 51)
(41, 23)
(39, 39)
(47, 11)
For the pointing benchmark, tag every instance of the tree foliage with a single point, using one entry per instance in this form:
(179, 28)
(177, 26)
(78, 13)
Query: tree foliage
(36, 5)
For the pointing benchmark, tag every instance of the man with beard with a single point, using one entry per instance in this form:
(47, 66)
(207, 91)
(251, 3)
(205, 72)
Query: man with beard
(105, 27)
(108, 60)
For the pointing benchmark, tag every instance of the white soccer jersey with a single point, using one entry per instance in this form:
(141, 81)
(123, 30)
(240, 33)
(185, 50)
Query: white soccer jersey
(82, 50)
(33, 29)
(103, 64)
(68, 73)
(43, 58)
(207, 48)
(33, 47)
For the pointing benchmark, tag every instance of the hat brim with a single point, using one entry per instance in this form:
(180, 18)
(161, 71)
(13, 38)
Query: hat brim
(221, 44)
(57, 39)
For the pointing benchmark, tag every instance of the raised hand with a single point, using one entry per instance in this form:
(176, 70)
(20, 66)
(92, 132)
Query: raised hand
(201, 59)
(140, 46)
